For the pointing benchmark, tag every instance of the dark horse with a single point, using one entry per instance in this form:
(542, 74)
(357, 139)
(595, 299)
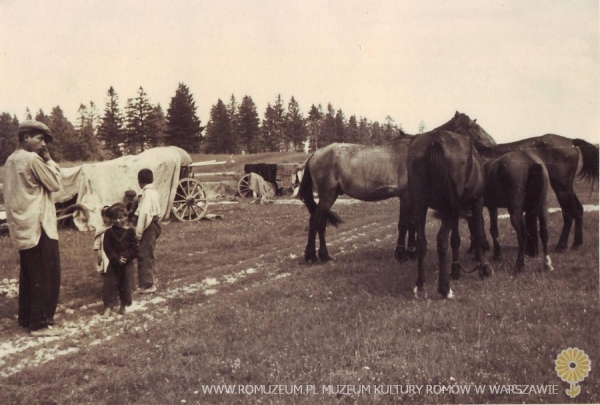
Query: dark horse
(367, 173)
(561, 157)
(445, 172)
(519, 182)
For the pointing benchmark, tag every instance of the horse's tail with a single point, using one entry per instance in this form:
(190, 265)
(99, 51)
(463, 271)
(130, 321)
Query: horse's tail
(305, 193)
(535, 187)
(589, 153)
(535, 194)
(439, 177)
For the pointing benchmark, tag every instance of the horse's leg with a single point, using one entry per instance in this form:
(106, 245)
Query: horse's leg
(543, 218)
(310, 252)
(400, 252)
(455, 244)
(516, 219)
(485, 244)
(564, 200)
(578, 213)
(420, 219)
(531, 233)
(404, 252)
(494, 232)
(323, 210)
(479, 233)
(442, 250)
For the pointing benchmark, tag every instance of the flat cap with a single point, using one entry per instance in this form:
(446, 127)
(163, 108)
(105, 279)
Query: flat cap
(32, 125)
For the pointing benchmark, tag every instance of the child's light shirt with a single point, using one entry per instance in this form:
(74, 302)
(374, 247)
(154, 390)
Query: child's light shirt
(148, 208)
(98, 245)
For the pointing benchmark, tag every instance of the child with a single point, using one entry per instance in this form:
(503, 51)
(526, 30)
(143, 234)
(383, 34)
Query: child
(121, 247)
(148, 230)
(131, 201)
(101, 259)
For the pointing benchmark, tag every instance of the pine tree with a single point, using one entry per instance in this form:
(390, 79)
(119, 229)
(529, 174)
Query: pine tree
(328, 128)
(138, 122)
(233, 110)
(340, 126)
(296, 131)
(219, 134)
(158, 135)
(274, 127)
(315, 121)
(86, 132)
(268, 131)
(9, 136)
(111, 132)
(183, 125)
(65, 145)
(248, 128)
(352, 133)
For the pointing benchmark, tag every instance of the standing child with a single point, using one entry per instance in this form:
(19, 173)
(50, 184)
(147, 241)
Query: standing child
(121, 247)
(101, 259)
(148, 230)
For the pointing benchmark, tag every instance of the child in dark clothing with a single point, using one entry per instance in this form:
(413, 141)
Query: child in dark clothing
(121, 247)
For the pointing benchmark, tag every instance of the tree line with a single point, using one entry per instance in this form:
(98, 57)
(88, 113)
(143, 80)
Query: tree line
(232, 128)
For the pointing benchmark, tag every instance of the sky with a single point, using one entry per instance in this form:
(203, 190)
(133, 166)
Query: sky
(521, 68)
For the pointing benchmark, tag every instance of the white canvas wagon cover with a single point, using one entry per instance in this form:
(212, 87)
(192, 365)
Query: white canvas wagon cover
(105, 183)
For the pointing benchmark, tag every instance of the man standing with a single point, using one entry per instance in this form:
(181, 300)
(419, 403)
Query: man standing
(30, 177)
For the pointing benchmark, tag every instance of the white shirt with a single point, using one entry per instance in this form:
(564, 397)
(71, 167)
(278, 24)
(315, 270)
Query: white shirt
(148, 208)
(28, 184)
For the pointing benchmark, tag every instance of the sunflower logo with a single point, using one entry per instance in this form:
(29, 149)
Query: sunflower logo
(573, 366)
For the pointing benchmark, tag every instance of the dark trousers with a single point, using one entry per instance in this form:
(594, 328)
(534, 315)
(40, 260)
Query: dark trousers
(146, 254)
(118, 285)
(39, 283)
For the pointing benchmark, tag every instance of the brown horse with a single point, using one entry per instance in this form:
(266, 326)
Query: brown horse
(560, 155)
(367, 173)
(519, 182)
(445, 172)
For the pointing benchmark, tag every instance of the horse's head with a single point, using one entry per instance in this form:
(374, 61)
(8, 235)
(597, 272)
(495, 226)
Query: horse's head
(462, 124)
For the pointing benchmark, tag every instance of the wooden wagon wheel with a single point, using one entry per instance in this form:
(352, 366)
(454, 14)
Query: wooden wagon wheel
(244, 186)
(190, 202)
(74, 214)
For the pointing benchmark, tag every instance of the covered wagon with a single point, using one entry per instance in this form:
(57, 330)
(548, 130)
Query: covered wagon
(91, 186)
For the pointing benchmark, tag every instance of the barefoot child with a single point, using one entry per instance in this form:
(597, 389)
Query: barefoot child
(148, 230)
(121, 247)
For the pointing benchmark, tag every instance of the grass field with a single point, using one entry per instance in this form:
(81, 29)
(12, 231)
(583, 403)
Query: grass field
(237, 307)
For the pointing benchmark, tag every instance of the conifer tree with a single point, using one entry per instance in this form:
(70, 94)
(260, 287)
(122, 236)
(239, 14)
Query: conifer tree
(315, 121)
(9, 130)
(296, 132)
(248, 128)
(138, 122)
(219, 134)
(183, 125)
(111, 132)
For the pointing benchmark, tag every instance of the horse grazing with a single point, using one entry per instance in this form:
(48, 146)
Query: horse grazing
(561, 157)
(445, 172)
(367, 173)
(519, 182)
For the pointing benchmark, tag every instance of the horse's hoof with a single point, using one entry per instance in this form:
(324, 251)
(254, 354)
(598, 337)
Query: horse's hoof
(400, 255)
(325, 259)
(576, 246)
(485, 270)
(311, 259)
(560, 248)
(446, 294)
(420, 293)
